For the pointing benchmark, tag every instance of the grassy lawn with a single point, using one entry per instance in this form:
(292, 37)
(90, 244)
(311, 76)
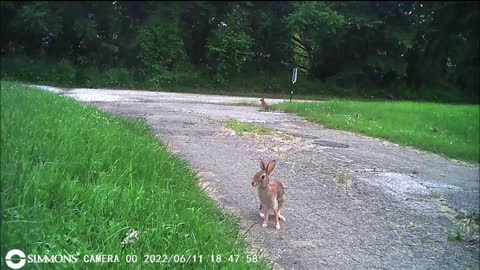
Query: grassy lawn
(75, 180)
(450, 130)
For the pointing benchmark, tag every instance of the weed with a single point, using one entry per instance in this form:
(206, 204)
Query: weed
(435, 194)
(467, 227)
(343, 178)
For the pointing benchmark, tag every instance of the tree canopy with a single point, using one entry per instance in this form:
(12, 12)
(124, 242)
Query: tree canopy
(419, 45)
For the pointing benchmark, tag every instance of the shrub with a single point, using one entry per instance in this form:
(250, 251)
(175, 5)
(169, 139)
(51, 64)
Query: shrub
(118, 77)
(62, 73)
(90, 77)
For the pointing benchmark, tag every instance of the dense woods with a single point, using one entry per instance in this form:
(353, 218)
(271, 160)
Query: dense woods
(408, 50)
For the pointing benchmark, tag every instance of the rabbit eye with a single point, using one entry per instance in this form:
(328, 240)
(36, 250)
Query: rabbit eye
(263, 176)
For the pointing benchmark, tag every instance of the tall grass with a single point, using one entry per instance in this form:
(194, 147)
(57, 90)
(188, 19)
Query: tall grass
(75, 180)
(451, 130)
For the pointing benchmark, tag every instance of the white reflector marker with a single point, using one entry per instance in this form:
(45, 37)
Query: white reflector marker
(294, 75)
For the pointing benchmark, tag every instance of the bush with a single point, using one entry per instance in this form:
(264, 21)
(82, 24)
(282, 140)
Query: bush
(114, 77)
(90, 77)
(22, 69)
(41, 71)
(62, 73)
(118, 77)
(160, 51)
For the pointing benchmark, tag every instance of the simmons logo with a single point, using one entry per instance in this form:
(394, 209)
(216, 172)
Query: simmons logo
(16, 259)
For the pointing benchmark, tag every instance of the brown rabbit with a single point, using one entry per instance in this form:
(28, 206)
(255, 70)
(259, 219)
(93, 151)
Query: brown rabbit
(270, 193)
(264, 105)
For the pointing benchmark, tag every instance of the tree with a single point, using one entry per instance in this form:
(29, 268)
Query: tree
(229, 45)
(160, 48)
(425, 46)
(315, 30)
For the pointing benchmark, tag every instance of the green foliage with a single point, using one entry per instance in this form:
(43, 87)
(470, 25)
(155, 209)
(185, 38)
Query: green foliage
(37, 18)
(119, 77)
(313, 27)
(467, 227)
(113, 77)
(90, 77)
(159, 52)
(270, 34)
(39, 71)
(420, 47)
(314, 21)
(229, 46)
(63, 73)
(160, 48)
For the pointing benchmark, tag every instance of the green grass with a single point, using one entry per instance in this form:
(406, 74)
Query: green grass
(75, 180)
(450, 130)
(244, 127)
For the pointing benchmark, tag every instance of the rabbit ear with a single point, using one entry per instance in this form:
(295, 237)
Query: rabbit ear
(262, 165)
(270, 166)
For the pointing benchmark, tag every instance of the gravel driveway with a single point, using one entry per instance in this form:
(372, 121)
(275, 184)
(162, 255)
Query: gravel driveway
(353, 202)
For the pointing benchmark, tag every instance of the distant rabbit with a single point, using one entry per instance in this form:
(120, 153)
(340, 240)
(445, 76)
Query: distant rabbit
(270, 192)
(264, 105)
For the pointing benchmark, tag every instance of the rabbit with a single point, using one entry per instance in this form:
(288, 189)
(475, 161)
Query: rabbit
(264, 105)
(270, 192)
